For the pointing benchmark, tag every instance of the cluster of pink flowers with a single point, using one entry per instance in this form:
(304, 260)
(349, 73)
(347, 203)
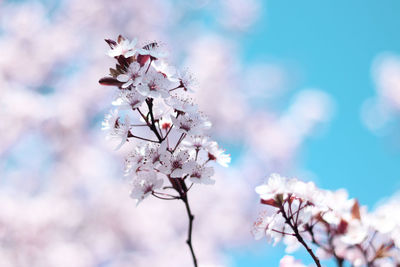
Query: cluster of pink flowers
(175, 147)
(299, 213)
(172, 146)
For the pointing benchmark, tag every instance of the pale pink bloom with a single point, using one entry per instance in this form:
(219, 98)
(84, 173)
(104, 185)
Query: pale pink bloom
(154, 84)
(116, 129)
(187, 81)
(276, 184)
(217, 154)
(136, 160)
(276, 227)
(190, 124)
(260, 225)
(181, 104)
(197, 142)
(144, 184)
(201, 174)
(123, 48)
(176, 165)
(111, 120)
(129, 99)
(356, 233)
(145, 156)
(153, 50)
(164, 68)
(153, 153)
(133, 75)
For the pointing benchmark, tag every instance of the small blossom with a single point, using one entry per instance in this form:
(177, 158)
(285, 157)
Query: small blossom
(129, 99)
(115, 129)
(197, 142)
(218, 155)
(144, 184)
(186, 81)
(123, 48)
(176, 165)
(201, 174)
(133, 76)
(153, 50)
(136, 161)
(190, 123)
(111, 120)
(154, 84)
(181, 104)
(153, 153)
(275, 185)
(162, 67)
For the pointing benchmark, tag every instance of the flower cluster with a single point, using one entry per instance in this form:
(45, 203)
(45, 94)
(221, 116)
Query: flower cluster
(175, 148)
(153, 106)
(302, 214)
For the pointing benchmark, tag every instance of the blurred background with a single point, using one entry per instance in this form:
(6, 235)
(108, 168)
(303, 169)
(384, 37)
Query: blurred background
(307, 89)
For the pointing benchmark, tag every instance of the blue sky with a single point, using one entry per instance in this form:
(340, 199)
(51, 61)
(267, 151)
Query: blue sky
(334, 44)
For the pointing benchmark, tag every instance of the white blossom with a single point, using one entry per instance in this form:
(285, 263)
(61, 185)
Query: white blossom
(191, 124)
(136, 160)
(123, 48)
(133, 75)
(154, 84)
(181, 104)
(153, 50)
(144, 184)
(197, 142)
(217, 154)
(187, 80)
(129, 99)
(176, 165)
(115, 128)
(201, 174)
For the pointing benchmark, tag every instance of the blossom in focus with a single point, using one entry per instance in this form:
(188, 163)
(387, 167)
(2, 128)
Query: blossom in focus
(132, 76)
(168, 129)
(154, 84)
(176, 165)
(191, 124)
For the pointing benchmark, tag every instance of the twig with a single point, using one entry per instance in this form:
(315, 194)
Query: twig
(299, 237)
(130, 135)
(152, 126)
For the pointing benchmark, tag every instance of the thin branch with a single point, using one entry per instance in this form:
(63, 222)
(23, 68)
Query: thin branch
(138, 125)
(189, 236)
(130, 135)
(153, 127)
(299, 237)
(179, 141)
(164, 198)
